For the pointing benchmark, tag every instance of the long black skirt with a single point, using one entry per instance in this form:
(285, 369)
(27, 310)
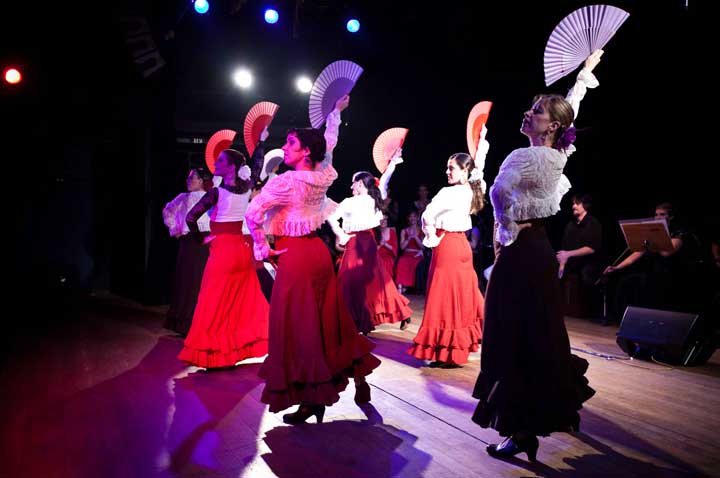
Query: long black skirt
(189, 267)
(529, 381)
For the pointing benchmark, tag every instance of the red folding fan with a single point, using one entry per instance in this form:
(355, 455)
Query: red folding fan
(216, 144)
(258, 118)
(476, 120)
(334, 82)
(386, 145)
(578, 35)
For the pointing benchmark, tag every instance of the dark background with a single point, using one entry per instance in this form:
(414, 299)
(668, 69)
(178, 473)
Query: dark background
(94, 150)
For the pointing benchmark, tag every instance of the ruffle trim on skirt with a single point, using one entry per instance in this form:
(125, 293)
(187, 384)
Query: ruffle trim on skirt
(508, 405)
(223, 358)
(446, 345)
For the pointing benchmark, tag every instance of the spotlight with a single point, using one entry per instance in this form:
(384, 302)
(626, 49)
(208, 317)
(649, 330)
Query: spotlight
(12, 76)
(202, 6)
(243, 78)
(304, 84)
(271, 16)
(353, 25)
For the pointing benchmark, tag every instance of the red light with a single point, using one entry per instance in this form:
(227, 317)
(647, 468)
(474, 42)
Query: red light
(12, 76)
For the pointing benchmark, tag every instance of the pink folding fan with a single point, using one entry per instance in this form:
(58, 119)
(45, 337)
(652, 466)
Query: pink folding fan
(216, 144)
(476, 120)
(579, 34)
(258, 118)
(334, 82)
(386, 145)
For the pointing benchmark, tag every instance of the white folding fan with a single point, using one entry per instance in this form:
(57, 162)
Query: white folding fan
(579, 34)
(334, 82)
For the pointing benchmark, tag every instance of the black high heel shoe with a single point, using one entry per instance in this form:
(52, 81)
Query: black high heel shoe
(509, 448)
(404, 324)
(362, 392)
(303, 413)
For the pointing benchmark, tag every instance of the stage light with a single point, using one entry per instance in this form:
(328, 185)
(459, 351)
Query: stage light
(12, 76)
(304, 84)
(271, 16)
(202, 6)
(243, 78)
(353, 25)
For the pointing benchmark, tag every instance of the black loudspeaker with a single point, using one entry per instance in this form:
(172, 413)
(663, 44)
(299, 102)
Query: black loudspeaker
(673, 337)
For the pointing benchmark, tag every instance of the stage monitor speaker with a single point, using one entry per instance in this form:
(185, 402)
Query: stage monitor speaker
(673, 337)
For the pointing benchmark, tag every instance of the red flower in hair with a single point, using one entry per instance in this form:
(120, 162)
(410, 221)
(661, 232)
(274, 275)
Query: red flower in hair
(377, 183)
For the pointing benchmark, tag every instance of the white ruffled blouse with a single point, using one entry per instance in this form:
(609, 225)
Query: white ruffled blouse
(449, 210)
(531, 183)
(175, 211)
(294, 203)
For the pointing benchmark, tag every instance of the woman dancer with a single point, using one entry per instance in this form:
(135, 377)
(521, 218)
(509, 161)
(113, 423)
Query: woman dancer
(314, 345)
(529, 383)
(411, 244)
(192, 254)
(365, 285)
(231, 317)
(387, 245)
(452, 321)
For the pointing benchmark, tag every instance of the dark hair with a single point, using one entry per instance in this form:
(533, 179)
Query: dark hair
(205, 176)
(466, 162)
(584, 199)
(668, 207)
(370, 183)
(313, 139)
(561, 111)
(237, 159)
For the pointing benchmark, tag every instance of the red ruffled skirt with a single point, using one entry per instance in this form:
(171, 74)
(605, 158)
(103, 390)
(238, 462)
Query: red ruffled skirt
(367, 288)
(452, 322)
(314, 345)
(230, 322)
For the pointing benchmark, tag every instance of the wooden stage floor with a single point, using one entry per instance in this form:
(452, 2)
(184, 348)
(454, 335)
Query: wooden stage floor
(100, 393)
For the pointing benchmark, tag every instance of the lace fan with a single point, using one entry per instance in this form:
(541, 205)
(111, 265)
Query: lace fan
(476, 120)
(334, 82)
(579, 34)
(272, 159)
(385, 146)
(258, 118)
(216, 144)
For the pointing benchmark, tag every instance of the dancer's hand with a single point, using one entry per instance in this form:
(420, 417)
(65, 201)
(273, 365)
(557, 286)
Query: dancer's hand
(342, 103)
(592, 61)
(264, 134)
(609, 270)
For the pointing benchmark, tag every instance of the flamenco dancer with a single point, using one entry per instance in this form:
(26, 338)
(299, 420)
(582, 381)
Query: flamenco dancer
(192, 254)
(530, 384)
(314, 345)
(452, 321)
(367, 288)
(231, 318)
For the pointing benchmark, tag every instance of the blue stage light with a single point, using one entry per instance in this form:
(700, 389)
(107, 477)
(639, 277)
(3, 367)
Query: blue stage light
(202, 6)
(271, 16)
(353, 25)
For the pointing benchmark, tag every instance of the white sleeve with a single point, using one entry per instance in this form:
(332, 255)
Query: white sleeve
(501, 194)
(334, 221)
(385, 178)
(170, 211)
(585, 80)
(332, 129)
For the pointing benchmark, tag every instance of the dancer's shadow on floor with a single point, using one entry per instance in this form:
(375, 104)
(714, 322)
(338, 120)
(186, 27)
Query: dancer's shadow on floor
(396, 349)
(346, 448)
(606, 461)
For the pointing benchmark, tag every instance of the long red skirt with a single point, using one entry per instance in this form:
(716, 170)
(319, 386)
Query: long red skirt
(230, 322)
(367, 288)
(452, 322)
(314, 345)
(388, 256)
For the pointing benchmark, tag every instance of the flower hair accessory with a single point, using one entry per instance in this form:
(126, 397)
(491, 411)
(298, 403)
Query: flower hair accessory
(475, 175)
(244, 172)
(377, 182)
(566, 138)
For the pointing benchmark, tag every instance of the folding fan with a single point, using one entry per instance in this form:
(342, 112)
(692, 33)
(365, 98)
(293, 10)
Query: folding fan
(216, 144)
(334, 82)
(476, 120)
(258, 118)
(579, 34)
(272, 159)
(385, 146)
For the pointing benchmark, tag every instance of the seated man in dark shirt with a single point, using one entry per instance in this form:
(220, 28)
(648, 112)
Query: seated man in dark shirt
(580, 259)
